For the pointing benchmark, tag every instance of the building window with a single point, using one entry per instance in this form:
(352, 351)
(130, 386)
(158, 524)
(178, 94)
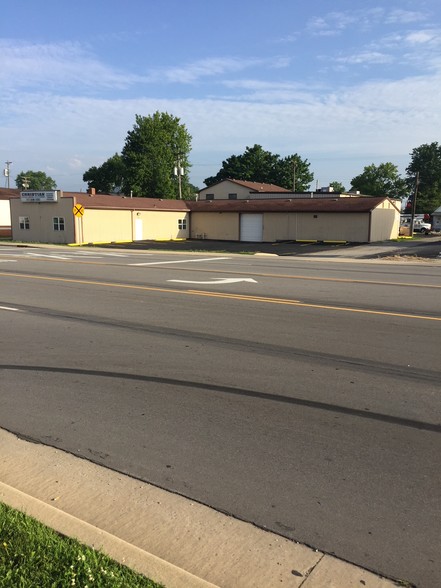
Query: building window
(232, 196)
(23, 222)
(209, 197)
(182, 223)
(58, 223)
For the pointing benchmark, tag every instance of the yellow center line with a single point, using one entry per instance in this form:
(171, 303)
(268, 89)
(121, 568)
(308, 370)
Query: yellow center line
(245, 297)
(246, 273)
(311, 305)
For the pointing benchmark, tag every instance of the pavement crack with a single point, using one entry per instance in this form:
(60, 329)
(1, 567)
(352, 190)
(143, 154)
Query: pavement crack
(311, 569)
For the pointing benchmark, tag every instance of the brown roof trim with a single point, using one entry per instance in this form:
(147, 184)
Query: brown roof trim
(253, 186)
(360, 204)
(7, 193)
(115, 202)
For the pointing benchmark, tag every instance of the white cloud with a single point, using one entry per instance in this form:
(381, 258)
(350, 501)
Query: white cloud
(52, 118)
(67, 64)
(423, 37)
(366, 57)
(335, 23)
(375, 120)
(211, 67)
(404, 17)
(75, 163)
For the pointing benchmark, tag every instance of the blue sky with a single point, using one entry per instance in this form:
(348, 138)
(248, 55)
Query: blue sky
(344, 83)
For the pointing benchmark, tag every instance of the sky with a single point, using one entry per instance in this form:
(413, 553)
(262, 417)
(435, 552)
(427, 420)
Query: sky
(343, 84)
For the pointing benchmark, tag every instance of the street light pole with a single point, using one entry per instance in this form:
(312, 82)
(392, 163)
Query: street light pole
(6, 172)
(412, 218)
(179, 172)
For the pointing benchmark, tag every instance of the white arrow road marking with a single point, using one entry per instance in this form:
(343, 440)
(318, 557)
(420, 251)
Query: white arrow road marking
(180, 261)
(217, 281)
(10, 308)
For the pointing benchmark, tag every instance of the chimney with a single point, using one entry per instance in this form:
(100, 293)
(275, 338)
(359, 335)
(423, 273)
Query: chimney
(91, 191)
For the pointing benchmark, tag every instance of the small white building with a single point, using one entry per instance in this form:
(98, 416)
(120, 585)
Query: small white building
(436, 220)
(5, 210)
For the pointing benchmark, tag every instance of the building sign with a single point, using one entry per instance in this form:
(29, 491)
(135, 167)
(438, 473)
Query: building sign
(35, 196)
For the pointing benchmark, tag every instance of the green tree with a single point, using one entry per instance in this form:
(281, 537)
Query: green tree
(381, 180)
(34, 180)
(426, 161)
(108, 177)
(338, 186)
(190, 192)
(258, 165)
(155, 146)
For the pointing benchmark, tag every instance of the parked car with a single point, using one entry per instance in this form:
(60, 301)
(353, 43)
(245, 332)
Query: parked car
(421, 227)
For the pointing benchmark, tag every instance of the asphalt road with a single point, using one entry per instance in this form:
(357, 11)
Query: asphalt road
(305, 399)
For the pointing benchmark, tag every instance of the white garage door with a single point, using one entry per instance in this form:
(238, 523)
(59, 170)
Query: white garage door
(251, 227)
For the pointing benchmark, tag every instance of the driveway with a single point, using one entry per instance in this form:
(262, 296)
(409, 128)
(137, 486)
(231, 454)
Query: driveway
(426, 246)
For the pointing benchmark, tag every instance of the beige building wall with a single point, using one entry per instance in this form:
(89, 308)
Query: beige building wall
(102, 226)
(96, 225)
(40, 217)
(385, 222)
(223, 189)
(161, 225)
(215, 225)
(126, 225)
(325, 226)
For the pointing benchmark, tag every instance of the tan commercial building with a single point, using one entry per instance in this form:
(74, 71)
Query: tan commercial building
(361, 219)
(56, 217)
(76, 218)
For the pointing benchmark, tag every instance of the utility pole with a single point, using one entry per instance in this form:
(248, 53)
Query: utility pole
(6, 172)
(179, 172)
(294, 177)
(412, 218)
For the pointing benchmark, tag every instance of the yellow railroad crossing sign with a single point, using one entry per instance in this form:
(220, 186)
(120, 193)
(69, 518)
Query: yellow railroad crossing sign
(78, 210)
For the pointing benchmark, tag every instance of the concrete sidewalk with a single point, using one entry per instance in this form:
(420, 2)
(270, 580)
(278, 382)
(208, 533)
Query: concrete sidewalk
(426, 248)
(172, 540)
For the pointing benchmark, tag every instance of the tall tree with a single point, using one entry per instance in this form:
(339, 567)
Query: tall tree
(154, 148)
(34, 180)
(258, 165)
(381, 180)
(108, 177)
(426, 162)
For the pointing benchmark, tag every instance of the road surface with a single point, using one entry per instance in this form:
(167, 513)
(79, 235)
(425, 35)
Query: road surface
(301, 395)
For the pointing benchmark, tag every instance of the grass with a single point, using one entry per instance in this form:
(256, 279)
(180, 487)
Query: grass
(34, 556)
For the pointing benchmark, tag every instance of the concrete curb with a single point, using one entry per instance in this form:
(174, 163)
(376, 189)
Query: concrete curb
(121, 551)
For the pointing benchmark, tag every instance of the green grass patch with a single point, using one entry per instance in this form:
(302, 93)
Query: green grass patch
(32, 555)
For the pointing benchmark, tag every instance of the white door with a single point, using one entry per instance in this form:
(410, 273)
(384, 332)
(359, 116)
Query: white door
(138, 229)
(251, 227)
